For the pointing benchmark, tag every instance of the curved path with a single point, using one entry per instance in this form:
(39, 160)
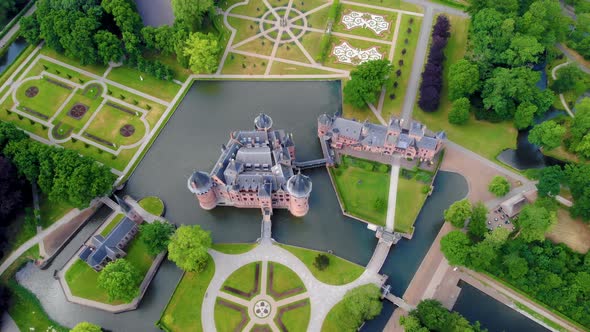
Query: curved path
(561, 97)
(322, 296)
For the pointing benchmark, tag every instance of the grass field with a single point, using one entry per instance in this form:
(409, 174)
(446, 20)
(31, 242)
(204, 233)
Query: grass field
(572, 232)
(132, 78)
(152, 204)
(109, 121)
(297, 319)
(78, 98)
(410, 199)
(338, 272)
(243, 278)
(95, 69)
(83, 280)
(226, 319)
(183, 312)
(47, 101)
(233, 248)
(244, 65)
(364, 192)
(52, 211)
(333, 321)
(284, 279)
(485, 138)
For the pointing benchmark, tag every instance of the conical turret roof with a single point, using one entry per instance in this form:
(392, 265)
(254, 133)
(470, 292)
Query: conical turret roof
(200, 182)
(263, 122)
(299, 185)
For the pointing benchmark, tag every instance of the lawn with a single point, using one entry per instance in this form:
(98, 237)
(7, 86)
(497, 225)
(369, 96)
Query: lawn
(107, 124)
(243, 65)
(298, 318)
(52, 211)
(260, 45)
(114, 222)
(363, 188)
(243, 279)
(410, 199)
(291, 51)
(311, 42)
(95, 69)
(244, 28)
(78, 124)
(254, 8)
(318, 19)
(118, 162)
(61, 71)
(22, 122)
(284, 279)
(338, 272)
(152, 204)
(394, 4)
(183, 312)
(393, 106)
(233, 248)
(227, 319)
(282, 68)
(573, 232)
(83, 280)
(485, 138)
(145, 83)
(47, 101)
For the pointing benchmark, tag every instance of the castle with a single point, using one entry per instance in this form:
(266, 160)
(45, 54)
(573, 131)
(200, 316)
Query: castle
(340, 133)
(255, 170)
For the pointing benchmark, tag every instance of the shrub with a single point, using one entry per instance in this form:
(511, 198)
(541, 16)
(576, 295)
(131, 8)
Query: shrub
(321, 262)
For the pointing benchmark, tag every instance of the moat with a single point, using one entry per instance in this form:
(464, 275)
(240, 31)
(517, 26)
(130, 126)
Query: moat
(191, 140)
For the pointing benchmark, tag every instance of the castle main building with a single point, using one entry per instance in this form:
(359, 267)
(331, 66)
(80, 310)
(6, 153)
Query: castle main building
(255, 170)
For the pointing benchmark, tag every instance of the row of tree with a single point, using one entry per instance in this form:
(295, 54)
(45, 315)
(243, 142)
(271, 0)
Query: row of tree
(506, 39)
(432, 76)
(430, 315)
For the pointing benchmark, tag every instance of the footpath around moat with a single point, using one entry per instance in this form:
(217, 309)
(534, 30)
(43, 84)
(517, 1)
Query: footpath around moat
(321, 296)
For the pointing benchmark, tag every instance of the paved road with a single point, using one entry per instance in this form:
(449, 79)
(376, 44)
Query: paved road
(417, 65)
(561, 97)
(391, 203)
(15, 28)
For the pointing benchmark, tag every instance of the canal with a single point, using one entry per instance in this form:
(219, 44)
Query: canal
(192, 140)
(11, 54)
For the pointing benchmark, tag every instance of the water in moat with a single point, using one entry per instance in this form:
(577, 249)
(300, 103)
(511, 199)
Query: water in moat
(11, 54)
(192, 140)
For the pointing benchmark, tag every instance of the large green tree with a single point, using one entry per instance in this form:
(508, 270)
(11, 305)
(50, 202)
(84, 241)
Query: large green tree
(86, 327)
(458, 213)
(463, 79)
(156, 236)
(188, 248)
(534, 221)
(477, 225)
(455, 246)
(109, 47)
(191, 11)
(548, 134)
(366, 80)
(120, 279)
(499, 186)
(203, 52)
(517, 266)
(580, 125)
(29, 29)
(524, 115)
(569, 78)
(434, 317)
(523, 50)
(359, 304)
(459, 114)
(550, 179)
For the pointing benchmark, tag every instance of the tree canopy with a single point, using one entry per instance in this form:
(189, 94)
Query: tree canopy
(458, 213)
(463, 79)
(359, 304)
(550, 179)
(534, 221)
(203, 52)
(455, 247)
(499, 186)
(156, 236)
(86, 327)
(431, 84)
(188, 248)
(430, 315)
(459, 114)
(548, 134)
(12, 194)
(191, 12)
(366, 80)
(120, 279)
(477, 225)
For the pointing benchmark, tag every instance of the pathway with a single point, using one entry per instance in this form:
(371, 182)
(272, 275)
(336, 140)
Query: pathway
(15, 28)
(561, 97)
(322, 296)
(391, 202)
(574, 58)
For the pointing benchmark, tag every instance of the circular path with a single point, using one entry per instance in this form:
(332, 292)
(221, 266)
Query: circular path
(277, 24)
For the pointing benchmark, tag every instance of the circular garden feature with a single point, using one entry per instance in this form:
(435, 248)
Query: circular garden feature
(153, 205)
(32, 91)
(77, 111)
(127, 130)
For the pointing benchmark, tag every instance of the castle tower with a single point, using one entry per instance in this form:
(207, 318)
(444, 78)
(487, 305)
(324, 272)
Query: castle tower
(129, 210)
(201, 185)
(263, 122)
(299, 187)
(324, 124)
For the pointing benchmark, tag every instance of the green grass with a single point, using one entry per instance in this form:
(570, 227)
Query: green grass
(243, 65)
(254, 8)
(152, 204)
(83, 280)
(233, 248)
(112, 224)
(260, 45)
(96, 69)
(226, 319)
(119, 162)
(19, 231)
(243, 278)
(363, 193)
(485, 138)
(183, 312)
(130, 77)
(24, 123)
(319, 19)
(396, 4)
(291, 51)
(311, 42)
(284, 279)
(540, 317)
(107, 123)
(47, 101)
(52, 211)
(297, 319)
(245, 28)
(180, 73)
(78, 98)
(338, 272)
(281, 68)
(408, 203)
(61, 71)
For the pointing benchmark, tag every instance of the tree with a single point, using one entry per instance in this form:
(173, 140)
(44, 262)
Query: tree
(120, 279)
(548, 134)
(458, 212)
(497, 237)
(359, 304)
(525, 113)
(366, 80)
(128, 21)
(569, 78)
(412, 324)
(523, 50)
(517, 266)
(434, 317)
(202, 51)
(534, 222)
(29, 29)
(86, 327)
(321, 262)
(545, 21)
(499, 186)
(11, 190)
(10, 133)
(477, 226)
(463, 79)
(482, 256)
(191, 11)
(431, 84)
(550, 181)
(455, 247)
(188, 248)
(156, 236)
(459, 114)
(109, 47)
(581, 206)
(580, 125)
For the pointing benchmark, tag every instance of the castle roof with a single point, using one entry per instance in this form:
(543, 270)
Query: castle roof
(324, 119)
(263, 122)
(374, 135)
(200, 182)
(427, 143)
(299, 185)
(125, 207)
(109, 246)
(348, 128)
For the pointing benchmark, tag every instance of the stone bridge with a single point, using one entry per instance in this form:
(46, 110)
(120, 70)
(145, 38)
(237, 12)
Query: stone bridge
(310, 163)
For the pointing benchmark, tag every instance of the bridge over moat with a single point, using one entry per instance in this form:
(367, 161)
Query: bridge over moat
(302, 165)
